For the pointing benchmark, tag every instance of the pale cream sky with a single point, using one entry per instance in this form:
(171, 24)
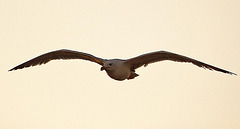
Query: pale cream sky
(76, 95)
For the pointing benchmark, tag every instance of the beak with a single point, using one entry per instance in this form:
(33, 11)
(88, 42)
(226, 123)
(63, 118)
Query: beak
(104, 68)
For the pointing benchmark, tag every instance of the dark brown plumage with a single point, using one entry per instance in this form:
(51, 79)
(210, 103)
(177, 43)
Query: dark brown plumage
(118, 69)
(152, 57)
(59, 54)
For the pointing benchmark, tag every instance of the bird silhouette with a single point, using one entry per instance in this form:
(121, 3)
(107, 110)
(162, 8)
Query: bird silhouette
(118, 69)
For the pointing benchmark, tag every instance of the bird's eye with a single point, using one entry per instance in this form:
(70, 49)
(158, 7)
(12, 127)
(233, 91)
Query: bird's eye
(110, 64)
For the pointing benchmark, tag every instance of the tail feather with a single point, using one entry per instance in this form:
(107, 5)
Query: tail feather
(132, 76)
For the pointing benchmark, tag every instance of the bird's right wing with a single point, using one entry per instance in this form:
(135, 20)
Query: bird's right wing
(152, 57)
(59, 54)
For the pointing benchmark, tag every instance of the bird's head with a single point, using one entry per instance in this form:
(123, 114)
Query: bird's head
(111, 65)
(108, 66)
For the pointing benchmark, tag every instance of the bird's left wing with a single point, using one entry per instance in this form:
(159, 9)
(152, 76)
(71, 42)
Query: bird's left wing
(59, 54)
(148, 58)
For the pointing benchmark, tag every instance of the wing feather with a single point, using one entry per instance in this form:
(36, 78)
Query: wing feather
(59, 54)
(148, 58)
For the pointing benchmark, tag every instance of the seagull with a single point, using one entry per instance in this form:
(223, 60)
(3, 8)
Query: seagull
(118, 69)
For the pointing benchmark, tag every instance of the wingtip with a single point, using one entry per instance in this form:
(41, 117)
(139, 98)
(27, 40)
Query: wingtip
(231, 73)
(10, 70)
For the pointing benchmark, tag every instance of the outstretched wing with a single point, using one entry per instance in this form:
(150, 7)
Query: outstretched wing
(59, 54)
(148, 58)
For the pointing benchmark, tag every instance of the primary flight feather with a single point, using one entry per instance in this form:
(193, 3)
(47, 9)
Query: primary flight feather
(117, 69)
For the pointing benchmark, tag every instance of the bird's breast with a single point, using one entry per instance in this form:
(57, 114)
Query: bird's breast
(120, 74)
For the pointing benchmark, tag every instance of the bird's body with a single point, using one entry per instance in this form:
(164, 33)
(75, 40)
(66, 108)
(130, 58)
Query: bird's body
(117, 69)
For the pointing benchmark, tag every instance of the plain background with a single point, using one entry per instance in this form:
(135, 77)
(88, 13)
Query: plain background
(74, 94)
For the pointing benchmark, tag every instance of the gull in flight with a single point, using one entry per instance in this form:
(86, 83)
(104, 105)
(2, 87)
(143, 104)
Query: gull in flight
(117, 69)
